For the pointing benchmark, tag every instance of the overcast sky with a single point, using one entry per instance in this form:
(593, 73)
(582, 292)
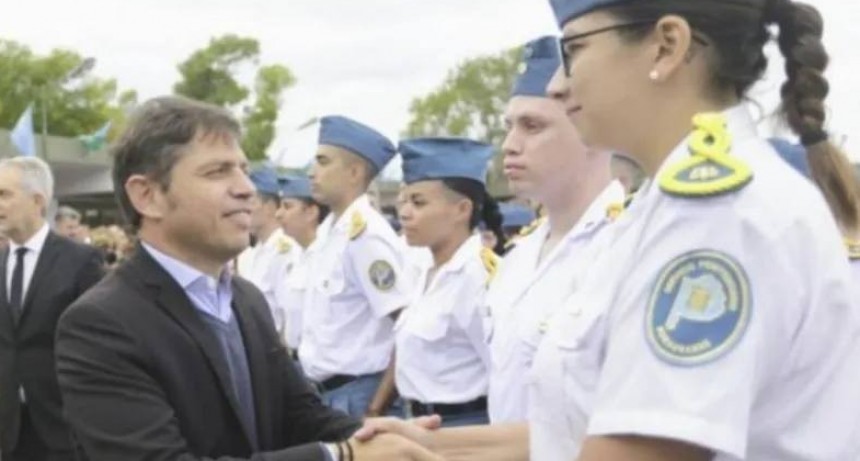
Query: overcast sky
(366, 59)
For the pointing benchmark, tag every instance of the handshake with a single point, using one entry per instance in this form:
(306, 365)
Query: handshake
(391, 439)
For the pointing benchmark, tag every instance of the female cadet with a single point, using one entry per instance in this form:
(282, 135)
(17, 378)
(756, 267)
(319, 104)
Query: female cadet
(545, 162)
(795, 155)
(719, 325)
(442, 361)
(300, 216)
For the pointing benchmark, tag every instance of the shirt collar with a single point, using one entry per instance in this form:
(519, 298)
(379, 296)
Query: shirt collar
(184, 274)
(274, 238)
(596, 212)
(468, 250)
(36, 242)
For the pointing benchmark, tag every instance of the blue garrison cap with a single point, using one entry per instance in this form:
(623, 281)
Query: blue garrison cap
(516, 215)
(293, 186)
(794, 154)
(265, 179)
(565, 10)
(439, 158)
(339, 131)
(541, 59)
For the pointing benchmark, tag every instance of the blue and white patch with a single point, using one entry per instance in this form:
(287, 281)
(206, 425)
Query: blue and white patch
(700, 308)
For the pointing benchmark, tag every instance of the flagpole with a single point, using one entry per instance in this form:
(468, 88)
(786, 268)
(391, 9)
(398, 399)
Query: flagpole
(44, 125)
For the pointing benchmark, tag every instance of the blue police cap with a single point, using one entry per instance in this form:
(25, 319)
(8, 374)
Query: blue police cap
(294, 186)
(439, 158)
(339, 131)
(565, 10)
(265, 179)
(541, 59)
(516, 215)
(794, 154)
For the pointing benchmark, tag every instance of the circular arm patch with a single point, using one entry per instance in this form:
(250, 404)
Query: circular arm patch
(382, 275)
(699, 309)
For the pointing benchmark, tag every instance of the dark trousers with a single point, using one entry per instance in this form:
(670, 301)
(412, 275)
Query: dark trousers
(30, 446)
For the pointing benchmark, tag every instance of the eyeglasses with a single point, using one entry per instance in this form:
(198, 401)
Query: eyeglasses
(566, 54)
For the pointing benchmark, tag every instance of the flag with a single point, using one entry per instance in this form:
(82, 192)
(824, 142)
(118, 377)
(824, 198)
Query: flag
(96, 141)
(22, 135)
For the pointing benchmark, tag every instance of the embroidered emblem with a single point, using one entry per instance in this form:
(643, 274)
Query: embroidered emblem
(382, 275)
(699, 309)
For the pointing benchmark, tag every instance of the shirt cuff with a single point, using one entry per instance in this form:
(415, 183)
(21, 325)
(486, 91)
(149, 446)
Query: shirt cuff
(328, 452)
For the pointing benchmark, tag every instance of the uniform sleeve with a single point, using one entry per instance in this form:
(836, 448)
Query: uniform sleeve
(377, 267)
(688, 330)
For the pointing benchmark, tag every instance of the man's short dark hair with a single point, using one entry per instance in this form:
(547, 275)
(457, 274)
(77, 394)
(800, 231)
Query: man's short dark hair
(154, 140)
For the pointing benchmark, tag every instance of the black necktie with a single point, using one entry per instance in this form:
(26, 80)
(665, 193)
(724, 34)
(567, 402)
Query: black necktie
(17, 293)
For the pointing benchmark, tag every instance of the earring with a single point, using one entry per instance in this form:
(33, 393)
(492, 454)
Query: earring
(654, 75)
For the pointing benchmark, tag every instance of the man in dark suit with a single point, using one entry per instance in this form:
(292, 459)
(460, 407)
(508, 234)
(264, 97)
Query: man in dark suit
(171, 357)
(41, 274)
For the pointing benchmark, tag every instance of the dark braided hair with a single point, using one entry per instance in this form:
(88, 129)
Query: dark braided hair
(801, 28)
(737, 30)
(484, 208)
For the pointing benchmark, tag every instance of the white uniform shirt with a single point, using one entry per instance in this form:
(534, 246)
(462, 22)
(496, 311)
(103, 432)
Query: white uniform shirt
(289, 297)
(441, 353)
(264, 265)
(355, 284)
(526, 293)
(775, 298)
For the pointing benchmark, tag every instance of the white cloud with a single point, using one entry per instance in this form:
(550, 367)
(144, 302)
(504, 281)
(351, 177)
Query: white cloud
(365, 59)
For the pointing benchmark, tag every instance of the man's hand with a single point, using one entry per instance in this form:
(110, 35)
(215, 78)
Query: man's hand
(390, 447)
(418, 430)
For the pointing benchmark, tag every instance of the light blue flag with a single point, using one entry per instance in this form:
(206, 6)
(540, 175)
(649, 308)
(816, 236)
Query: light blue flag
(22, 135)
(96, 141)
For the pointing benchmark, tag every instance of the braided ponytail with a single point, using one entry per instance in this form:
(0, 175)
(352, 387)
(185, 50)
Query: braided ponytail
(801, 28)
(484, 208)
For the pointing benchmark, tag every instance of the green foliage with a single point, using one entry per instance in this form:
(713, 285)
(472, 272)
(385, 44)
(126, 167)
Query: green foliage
(74, 106)
(211, 75)
(470, 102)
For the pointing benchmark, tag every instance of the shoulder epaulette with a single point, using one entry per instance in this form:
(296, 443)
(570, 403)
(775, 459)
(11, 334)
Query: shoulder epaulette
(357, 225)
(853, 247)
(284, 246)
(524, 232)
(491, 263)
(710, 170)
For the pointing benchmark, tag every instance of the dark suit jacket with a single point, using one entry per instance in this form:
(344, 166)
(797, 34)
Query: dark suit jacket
(63, 272)
(143, 377)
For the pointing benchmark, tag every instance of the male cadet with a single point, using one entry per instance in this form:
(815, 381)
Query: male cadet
(263, 263)
(546, 162)
(359, 285)
(299, 216)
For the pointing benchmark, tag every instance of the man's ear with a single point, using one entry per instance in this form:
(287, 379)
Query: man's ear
(145, 196)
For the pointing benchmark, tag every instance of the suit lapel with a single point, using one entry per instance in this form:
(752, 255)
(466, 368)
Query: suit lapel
(173, 300)
(47, 257)
(7, 321)
(257, 355)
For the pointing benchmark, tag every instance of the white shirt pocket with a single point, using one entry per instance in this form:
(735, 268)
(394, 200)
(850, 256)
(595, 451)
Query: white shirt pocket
(428, 326)
(578, 335)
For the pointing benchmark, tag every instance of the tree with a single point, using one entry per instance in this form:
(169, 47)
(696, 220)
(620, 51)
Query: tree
(471, 103)
(210, 75)
(260, 119)
(73, 107)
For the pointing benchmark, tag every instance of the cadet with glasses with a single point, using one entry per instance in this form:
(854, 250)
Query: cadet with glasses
(721, 323)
